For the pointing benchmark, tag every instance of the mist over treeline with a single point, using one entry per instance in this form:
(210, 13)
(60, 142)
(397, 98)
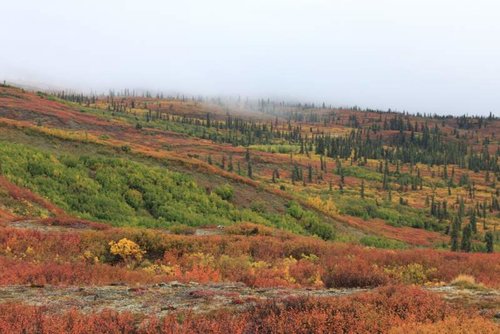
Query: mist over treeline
(232, 103)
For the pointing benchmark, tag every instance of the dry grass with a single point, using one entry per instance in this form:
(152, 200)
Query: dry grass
(466, 282)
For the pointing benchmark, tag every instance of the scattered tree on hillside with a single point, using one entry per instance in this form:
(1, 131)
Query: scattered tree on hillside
(488, 238)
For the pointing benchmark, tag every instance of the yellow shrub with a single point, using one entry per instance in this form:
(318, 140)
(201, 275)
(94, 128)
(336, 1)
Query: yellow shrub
(311, 257)
(200, 259)
(89, 257)
(327, 206)
(413, 273)
(30, 251)
(162, 269)
(466, 282)
(259, 264)
(128, 250)
(234, 268)
(286, 263)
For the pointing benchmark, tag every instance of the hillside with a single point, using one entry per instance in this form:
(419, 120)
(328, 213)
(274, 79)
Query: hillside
(246, 207)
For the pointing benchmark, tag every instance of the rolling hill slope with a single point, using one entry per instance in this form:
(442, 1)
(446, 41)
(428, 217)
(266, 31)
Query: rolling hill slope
(177, 206)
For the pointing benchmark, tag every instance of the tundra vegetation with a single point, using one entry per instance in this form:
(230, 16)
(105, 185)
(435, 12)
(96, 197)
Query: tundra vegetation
(139, 190)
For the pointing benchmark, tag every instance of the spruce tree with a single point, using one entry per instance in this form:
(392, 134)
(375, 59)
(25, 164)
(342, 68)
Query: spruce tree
(461, 208)
(473, 221)
(466, 245)
(455, 230)
(384, 180)
(223, 162)
(230, 164)
(249, 170)
(488, 238)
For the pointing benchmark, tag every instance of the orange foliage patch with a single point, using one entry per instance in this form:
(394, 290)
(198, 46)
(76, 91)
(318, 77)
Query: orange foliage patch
(23, 272)
(81, 256)
(6, 216)
(375, 312)
(21, 105)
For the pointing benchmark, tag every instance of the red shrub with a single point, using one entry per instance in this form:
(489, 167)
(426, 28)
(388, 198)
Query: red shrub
(231, 258)
(373, 312)
(353, 273)
(305, 272)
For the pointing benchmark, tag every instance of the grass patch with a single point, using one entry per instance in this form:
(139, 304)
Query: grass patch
(277, 148)
(381, 242)
(362, 173)
(467, 282)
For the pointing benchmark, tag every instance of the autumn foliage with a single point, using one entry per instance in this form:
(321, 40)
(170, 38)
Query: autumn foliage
(267, 259)
(83, 174)
(382, 311)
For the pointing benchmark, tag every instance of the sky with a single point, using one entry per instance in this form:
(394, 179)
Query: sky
(428, 56)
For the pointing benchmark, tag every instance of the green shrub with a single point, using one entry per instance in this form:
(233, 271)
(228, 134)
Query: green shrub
(295, 210)
(128, 193)
(381, 242)
(225, 192)
(181, 229)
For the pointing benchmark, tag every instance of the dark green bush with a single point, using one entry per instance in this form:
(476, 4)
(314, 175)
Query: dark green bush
(225, 192)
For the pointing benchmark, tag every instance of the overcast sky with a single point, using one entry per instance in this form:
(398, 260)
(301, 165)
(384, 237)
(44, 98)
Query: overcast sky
(438, 56)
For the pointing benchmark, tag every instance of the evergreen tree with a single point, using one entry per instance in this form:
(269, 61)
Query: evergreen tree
(461, 208)
(249, 169)
(455, 230)
(488, 238)
(473, 221)
(230, 164)
(223, 162)
(338, 164)
(208, 120)
(386, 175)
(466, 244)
